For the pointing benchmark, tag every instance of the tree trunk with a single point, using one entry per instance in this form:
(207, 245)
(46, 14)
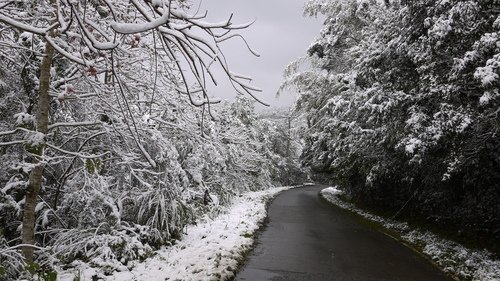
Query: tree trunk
(36, 175)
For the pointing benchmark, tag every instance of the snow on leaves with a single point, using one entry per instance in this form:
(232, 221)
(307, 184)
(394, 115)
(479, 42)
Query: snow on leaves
(402, 99)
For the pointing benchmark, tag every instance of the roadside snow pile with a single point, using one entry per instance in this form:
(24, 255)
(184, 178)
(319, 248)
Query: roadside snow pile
(210, 250)
(466, 264)
(333, 190)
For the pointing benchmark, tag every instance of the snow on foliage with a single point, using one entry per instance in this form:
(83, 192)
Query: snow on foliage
(488, 74)
(402, 105)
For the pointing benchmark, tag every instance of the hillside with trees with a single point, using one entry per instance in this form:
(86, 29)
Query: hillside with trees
(403, 110)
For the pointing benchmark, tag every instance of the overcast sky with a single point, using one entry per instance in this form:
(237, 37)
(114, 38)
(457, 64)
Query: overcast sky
(280, 35)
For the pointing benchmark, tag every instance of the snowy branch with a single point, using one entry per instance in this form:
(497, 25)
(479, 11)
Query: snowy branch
(78, 154)
(74, 124)
(6, 133)
(12, 142)
(21, 26)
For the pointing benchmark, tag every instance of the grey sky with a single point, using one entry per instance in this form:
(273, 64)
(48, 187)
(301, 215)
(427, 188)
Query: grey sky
(280, 35)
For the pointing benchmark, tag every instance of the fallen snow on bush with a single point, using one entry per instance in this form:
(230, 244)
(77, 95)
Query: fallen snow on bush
(210, 250)
(454, 258)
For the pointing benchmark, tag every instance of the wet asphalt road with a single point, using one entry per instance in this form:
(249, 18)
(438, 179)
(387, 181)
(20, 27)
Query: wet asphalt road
(308, 239)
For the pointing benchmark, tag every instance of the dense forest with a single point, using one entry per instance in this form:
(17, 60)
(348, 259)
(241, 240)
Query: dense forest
(403, 109)
(110, 142)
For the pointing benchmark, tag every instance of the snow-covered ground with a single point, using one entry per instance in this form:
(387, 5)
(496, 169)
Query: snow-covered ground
(466, 264)
(211, 249)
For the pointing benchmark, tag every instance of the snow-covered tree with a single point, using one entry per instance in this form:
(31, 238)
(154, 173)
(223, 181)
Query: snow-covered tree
(402, 106)
(107, 135)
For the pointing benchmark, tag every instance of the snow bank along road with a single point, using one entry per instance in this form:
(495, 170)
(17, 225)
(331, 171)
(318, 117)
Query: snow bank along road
(209, 251)
(308, 239)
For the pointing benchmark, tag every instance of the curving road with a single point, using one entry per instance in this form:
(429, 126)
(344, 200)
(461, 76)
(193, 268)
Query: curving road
(308, 239)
